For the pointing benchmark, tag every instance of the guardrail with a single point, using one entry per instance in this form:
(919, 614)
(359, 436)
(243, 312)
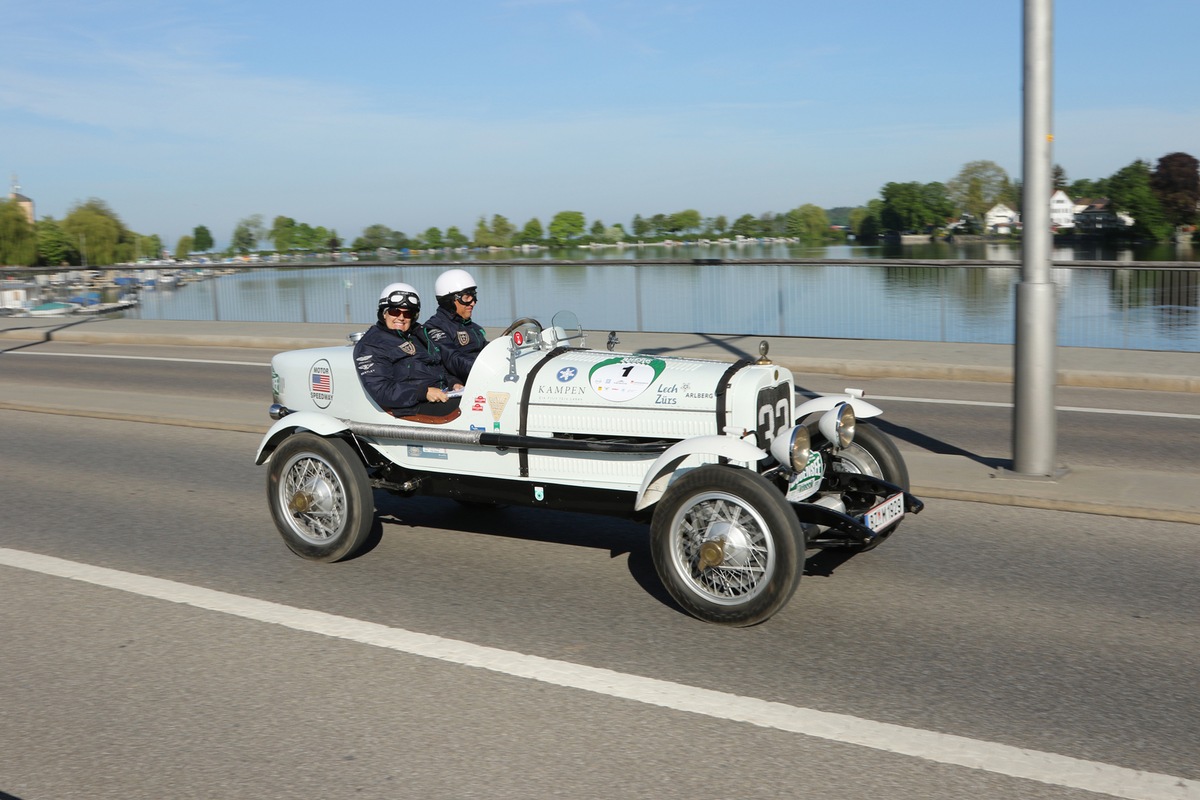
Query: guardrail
(1127, 306)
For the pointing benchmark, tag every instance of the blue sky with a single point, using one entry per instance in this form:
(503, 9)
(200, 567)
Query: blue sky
(417, 114)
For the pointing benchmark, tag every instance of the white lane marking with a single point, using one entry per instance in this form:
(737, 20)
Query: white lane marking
(140, 358)
(1048, 768)
(992, 404)
(930, 400)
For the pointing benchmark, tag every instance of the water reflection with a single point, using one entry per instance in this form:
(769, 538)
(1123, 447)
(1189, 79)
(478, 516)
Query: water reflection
(1124, 308)
(958, 250)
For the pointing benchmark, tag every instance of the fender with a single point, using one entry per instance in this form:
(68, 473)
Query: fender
(319, 424)
(660, 472)
(862, 409)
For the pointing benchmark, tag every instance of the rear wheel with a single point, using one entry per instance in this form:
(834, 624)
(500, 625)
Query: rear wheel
(320, 497)
(726, 545)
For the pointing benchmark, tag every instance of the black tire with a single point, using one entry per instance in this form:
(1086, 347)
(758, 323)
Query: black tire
(727, 545)
(871, 453)
(320, 497)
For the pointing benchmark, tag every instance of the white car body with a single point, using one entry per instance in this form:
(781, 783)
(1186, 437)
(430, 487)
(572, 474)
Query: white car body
(545, 422)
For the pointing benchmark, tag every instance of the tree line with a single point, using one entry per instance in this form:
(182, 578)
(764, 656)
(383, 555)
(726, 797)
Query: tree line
(1159, 199)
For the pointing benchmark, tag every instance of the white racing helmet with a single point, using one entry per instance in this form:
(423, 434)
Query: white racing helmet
(399, 295)
(450, 283)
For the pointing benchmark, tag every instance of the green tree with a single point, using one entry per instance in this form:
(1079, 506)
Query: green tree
(640, 226)
(615, 233)
(102, 237)
(483, 234)
(685, 221)
(149, 245)
(282, 234)
(374, 237)
(597, 230)
(978, 186)
(1058, 178)
(433, 238)
(183, 248)
(746, 226)
(333, 241)
(532, 233)
(1084, 188)
(247, 234)
(720, 224)
(202, 239)
(503, 231)
(243, 240)
(1176, 184)
(18, 237)
(808, 223)
(456, 238)
(937, 202)
(565, 226)
(1130, 191)
(865, 221)
(903, 207)
(55, 248)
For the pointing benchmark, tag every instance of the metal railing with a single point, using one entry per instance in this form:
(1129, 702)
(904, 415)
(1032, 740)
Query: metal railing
(1138, 307)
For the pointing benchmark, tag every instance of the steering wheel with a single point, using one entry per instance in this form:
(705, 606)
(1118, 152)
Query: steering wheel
(519, 323)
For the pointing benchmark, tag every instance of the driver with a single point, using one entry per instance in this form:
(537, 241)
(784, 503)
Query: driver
(451, 326)
(402, 370)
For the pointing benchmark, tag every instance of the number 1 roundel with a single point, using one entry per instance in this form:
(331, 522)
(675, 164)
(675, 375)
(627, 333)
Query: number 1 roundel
(624, 378)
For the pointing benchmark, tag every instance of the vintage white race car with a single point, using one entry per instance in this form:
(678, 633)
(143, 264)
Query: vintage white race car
(736, 480)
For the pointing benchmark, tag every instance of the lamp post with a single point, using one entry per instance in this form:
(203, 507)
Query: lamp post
(1034, 371)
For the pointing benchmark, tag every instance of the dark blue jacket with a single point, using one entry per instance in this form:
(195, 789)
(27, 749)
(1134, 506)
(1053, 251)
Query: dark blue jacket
(397, 369)
(451, 332)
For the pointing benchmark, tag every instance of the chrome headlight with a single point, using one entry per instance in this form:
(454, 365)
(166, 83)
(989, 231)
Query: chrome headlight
(793, 448)
(837, 425)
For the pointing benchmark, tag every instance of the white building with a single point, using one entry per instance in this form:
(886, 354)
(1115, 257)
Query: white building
(1062, 210)
(1001, 219)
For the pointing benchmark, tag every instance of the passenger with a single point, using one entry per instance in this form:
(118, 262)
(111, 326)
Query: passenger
(451, 326)
(400, 368)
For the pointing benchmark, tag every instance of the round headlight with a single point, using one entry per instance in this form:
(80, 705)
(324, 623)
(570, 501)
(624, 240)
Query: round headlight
(792, 448)
(837, 425)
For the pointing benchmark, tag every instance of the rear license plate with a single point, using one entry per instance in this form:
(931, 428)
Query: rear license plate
(886, 514)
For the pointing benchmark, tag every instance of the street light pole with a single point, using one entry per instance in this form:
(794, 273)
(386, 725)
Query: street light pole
(1034, 372)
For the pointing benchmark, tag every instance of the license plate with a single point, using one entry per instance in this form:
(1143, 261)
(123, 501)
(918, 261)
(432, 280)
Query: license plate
(886, 514)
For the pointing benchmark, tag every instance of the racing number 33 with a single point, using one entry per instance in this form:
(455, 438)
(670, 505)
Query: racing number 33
(774, 413)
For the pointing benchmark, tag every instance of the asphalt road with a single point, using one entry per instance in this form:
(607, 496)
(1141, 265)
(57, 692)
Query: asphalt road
(1102, 427)
(1057, 634)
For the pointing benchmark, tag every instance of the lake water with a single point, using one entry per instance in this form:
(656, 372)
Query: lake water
(1127, 308)
(960, 250)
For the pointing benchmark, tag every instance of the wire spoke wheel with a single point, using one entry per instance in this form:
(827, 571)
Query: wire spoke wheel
(315, 499)
(726, 545)
(722, 548)
(320, 497)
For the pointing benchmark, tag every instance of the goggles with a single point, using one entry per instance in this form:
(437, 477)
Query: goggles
(467, 297)
(402, 299)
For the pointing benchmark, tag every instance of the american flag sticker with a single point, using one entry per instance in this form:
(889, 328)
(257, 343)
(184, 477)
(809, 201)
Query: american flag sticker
(321, 384)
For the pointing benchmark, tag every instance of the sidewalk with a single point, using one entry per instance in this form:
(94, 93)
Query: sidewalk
(1165, 496)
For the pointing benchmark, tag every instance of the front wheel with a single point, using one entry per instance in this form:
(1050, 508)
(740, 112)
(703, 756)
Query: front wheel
(320, 497)
(871, 453)
(727, 546)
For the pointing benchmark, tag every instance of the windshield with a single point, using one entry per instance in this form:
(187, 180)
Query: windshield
(565, 330)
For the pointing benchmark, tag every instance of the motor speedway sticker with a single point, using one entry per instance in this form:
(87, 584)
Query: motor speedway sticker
(806, 482)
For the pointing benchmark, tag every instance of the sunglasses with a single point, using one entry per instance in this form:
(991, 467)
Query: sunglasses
(467, 298)
(400, 312)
